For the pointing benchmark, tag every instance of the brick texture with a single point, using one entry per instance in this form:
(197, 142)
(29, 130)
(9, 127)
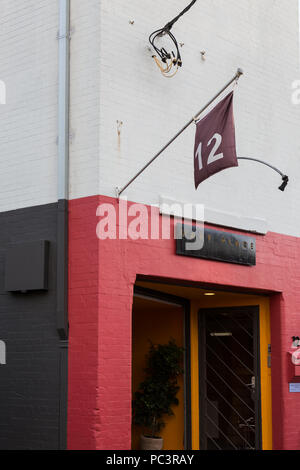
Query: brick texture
(102, 276)
(30, 381)
(28, 121)
(262, 37)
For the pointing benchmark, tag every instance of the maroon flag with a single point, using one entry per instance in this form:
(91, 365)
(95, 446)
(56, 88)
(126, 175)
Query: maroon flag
(215, 147)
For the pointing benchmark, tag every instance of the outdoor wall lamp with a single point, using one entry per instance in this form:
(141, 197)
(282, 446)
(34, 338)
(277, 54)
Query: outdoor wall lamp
(285, 178)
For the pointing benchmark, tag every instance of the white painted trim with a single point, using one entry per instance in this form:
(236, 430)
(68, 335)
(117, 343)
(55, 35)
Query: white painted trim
(216, 217)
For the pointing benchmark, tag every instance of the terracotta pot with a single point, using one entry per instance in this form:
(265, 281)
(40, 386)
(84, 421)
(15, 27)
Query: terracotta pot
(150, 443)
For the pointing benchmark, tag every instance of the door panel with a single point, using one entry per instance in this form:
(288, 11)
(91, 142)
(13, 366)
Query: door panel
(229, 379)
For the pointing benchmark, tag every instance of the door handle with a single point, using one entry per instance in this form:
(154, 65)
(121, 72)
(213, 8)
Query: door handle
(252, 384)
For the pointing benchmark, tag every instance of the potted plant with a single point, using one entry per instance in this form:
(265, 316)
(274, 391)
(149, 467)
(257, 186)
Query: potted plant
(157, 394)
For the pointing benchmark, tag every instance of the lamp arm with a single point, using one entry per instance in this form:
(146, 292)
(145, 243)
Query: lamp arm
(285, 178)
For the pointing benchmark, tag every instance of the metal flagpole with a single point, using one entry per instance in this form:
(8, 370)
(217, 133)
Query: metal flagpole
(235, 78)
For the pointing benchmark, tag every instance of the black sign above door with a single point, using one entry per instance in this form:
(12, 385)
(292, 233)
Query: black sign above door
(215, 245)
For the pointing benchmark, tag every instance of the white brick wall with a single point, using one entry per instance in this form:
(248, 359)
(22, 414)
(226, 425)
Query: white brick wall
(28, 122)
(85, 98)
(114, 78)
(261, 36)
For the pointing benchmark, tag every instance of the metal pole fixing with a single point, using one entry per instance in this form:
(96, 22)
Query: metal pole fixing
(235, 78)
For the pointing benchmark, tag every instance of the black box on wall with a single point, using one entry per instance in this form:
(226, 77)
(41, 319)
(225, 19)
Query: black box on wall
(26, 266)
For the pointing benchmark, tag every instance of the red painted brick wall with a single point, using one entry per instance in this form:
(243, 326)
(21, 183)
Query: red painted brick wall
(102, 277)
(83, 409)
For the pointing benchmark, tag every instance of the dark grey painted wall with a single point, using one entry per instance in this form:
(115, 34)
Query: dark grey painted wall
(32, 383)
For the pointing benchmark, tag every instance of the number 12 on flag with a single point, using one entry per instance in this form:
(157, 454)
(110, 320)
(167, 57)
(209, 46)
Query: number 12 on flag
(215, 145)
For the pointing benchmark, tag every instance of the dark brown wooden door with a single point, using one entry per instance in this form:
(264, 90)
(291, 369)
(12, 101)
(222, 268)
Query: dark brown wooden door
(229, 379)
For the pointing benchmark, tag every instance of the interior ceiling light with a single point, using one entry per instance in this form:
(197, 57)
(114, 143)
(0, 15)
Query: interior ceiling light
(209, 294)
(168, 61)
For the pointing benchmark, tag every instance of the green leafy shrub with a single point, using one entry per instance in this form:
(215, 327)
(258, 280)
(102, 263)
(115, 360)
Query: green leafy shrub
(158, 392)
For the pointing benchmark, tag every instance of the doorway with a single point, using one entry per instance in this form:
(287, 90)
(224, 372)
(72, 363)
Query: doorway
(229, 379)
(157, 318)
(204, 299)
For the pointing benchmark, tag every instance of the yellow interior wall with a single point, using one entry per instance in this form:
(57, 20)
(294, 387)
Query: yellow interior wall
(158, 323)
